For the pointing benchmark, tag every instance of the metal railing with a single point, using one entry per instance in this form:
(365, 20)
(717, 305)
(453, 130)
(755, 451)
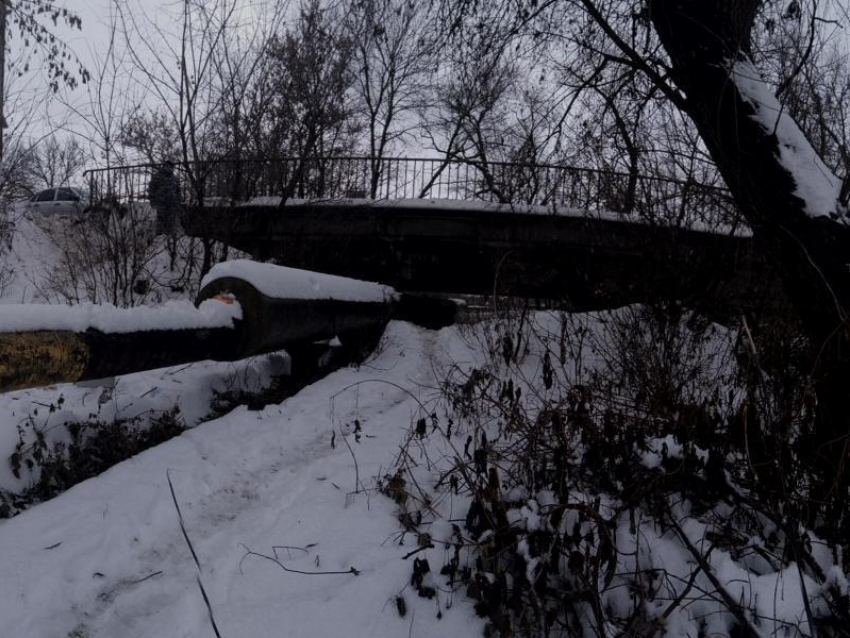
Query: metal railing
(350, 177)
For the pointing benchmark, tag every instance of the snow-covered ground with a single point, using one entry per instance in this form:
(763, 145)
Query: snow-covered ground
(108, 557)
(271, 522)
(27, 262)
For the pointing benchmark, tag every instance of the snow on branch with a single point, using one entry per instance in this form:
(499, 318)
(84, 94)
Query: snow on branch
(816, 184)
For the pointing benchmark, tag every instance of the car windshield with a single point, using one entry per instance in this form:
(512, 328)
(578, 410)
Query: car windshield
(44, 196)
(68, 195)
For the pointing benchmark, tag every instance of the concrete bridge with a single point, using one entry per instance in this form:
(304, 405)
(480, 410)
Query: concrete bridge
(585, 238)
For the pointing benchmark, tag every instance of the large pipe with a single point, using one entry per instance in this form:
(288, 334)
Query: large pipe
(283, 306)
(243, 308)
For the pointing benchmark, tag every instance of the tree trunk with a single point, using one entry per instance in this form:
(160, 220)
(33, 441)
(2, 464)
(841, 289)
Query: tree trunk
(4, 19)
(704, 38)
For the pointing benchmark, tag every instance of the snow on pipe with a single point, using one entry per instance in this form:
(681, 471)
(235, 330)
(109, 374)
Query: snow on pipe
(243, 308)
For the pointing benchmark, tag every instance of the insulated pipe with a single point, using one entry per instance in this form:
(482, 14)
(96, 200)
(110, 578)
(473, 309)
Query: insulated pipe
(285, 306)
(45, 357)
(243, 309)
(46, 344)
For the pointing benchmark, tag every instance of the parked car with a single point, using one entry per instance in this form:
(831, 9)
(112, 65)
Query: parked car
(62, 201)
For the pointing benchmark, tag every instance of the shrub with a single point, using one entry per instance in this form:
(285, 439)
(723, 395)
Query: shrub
(593, 477)
(91, 447)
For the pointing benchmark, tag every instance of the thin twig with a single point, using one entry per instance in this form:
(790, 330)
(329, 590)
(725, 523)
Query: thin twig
(194, 555)
(357, 484)
(180, 518)
(249, 552)
(417, 550)
(144, 578)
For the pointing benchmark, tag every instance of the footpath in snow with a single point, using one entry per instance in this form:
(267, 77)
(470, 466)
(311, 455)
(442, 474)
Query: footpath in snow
(108, 558)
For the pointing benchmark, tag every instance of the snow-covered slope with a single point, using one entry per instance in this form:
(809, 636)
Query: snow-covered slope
(288, 535)
(26, 264)
(108, 558)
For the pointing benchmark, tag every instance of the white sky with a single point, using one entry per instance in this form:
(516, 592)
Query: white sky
(38, 112)
(32, 107)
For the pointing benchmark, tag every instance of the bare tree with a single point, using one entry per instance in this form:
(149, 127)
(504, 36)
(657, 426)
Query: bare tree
(25, 124)
(151, 133)
(110, 96)
(178, 71)
(394, 58)
(56, 162)
(15, 175)
(471, 111)
(702, 58)
(805, 56)
(796, 214)
(110, 258)
(309, 114)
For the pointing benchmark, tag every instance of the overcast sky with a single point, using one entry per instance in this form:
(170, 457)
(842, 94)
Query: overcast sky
(32, 105)
(37, 113)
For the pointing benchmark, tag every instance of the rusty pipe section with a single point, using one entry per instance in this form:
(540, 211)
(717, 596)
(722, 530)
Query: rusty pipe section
(41, 358)
(233, 317)
(45, 357)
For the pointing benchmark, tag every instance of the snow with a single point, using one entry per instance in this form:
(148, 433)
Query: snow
(173, 315)
(190, 388)
(107, 557)
(27, 262)
(817, 186)
(292, 283)
(42, 264)
(294, 482)
(27, 265)
(666, 447)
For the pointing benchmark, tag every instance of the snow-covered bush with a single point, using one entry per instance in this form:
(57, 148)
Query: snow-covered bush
(597, 476)
(85, 449)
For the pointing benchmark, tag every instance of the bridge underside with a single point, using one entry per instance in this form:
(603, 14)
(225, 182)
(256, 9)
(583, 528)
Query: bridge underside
(588, 262)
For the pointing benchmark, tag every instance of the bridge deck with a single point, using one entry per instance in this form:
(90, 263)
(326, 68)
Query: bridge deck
(591, 261)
